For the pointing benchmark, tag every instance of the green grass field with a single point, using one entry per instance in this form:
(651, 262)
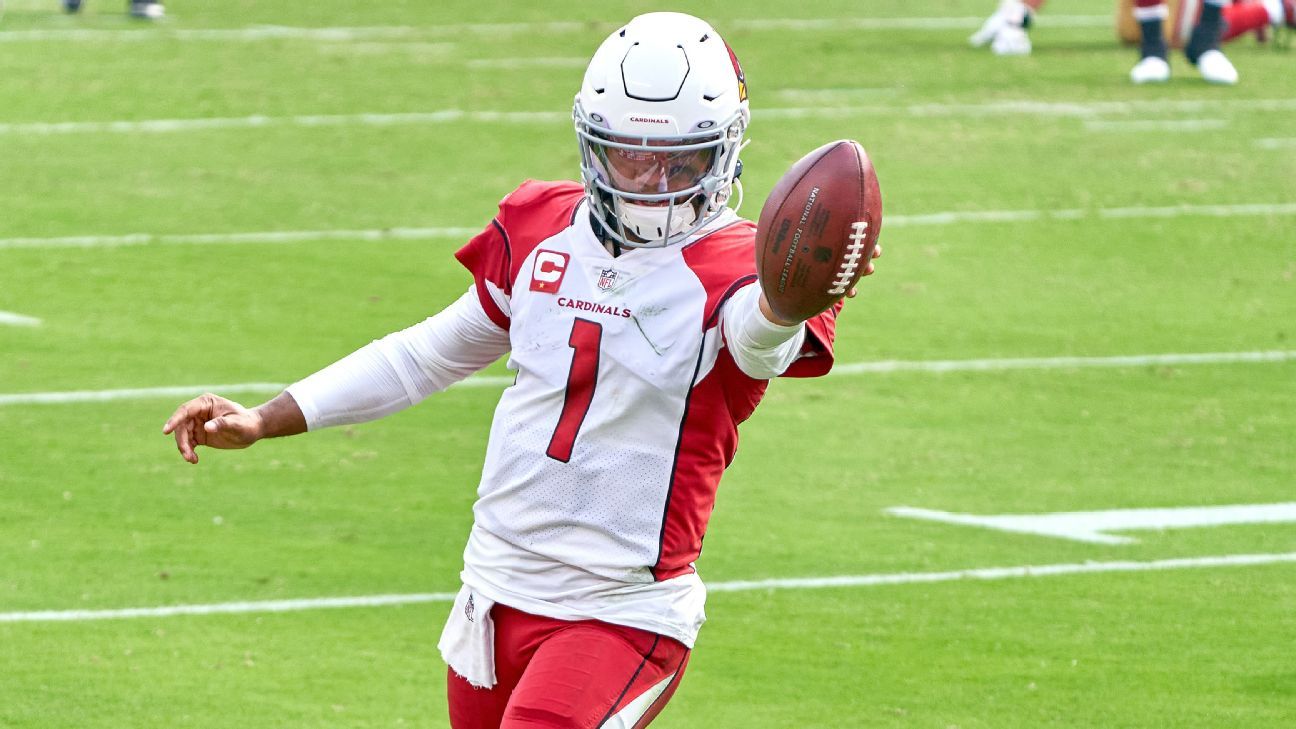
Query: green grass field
(1055, 174)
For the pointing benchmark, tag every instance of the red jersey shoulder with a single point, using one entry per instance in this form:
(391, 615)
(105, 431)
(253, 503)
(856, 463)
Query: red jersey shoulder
(724, 261)
(533, 212)
(541, 196)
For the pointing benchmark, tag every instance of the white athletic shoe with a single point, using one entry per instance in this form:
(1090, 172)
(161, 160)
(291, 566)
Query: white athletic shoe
(1010, 12)
(146, 9)
(1011, 41)
(1216, 68)
(1151, 70)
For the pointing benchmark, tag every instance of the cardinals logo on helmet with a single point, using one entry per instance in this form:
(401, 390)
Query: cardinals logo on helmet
(742, 78)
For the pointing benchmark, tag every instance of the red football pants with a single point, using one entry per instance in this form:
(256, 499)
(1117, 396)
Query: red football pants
(555, 673)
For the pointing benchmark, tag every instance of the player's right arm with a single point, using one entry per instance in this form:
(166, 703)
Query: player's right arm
(381, 378)
(213, 421)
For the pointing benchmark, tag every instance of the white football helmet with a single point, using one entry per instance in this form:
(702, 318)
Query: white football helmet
(661, 118)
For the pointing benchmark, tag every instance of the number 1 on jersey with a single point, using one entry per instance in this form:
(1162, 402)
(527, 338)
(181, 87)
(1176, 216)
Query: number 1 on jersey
(585, 339)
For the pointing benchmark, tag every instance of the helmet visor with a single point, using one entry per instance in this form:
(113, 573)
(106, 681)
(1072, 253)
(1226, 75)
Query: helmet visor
(651, 167)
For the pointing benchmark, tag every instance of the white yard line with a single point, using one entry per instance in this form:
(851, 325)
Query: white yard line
(8, 318)
(1276, 143)
(430, 50)
(1084, 110)
(1017, 216)
(155, 126)
(423, 233)
(526, 62)
(1093, 526)
(271, 236)
(795, 583)
(834, 95)
(1053, 363)
(264, 606)
(134, 393)
(1156, 125)
(976, 216)
(1208, 211)
(855, 368)
(183, 391)
(1003, 573)
(345, 34)
(253, 33)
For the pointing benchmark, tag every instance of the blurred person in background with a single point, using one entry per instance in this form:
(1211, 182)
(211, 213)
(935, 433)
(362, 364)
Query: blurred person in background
(142, 9)
(1198, 25)
(1006, 30)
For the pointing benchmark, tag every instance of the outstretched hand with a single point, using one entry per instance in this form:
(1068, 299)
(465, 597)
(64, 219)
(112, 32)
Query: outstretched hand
(768, 310)
(215, 422)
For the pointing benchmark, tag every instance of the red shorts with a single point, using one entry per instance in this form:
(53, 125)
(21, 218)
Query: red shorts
(555, 673)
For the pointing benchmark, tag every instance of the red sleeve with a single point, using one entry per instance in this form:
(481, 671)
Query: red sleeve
(724, 261)
(486, 257)
(527, 216)
(817, 352)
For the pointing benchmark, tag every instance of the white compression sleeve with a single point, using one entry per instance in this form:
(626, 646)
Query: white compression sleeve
(761, 348)
(403, 368)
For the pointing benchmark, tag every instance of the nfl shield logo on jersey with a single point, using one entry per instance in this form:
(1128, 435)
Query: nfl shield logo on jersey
(607, 279)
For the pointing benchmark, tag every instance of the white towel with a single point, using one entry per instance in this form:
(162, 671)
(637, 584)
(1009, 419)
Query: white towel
(468, 641)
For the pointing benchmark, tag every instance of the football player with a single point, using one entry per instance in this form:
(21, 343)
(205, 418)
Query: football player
(1209, 22)
(629, 309)
(1202, 48)
(1006, 29)
(142, 9)
(1258, 16)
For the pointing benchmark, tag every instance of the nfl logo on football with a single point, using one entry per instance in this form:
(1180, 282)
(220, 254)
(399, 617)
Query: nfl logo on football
(607, 279)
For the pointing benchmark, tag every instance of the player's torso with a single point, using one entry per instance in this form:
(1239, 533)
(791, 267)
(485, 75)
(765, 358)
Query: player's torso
(579, 466)
(644, 308)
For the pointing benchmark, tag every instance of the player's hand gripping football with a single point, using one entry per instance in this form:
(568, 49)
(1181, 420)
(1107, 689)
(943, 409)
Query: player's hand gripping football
(215, 422)
(768, 311)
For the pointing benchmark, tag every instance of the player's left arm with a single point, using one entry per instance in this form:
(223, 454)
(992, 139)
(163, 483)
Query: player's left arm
(762, 344)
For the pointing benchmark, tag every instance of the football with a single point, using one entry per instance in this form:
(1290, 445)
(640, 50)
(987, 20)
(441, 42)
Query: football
(818, 229)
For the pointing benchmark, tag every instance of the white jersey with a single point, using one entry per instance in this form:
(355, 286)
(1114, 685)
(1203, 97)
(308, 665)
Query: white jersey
(605, 455)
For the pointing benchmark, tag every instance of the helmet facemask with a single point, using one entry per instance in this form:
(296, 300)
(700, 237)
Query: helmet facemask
(657, 190)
